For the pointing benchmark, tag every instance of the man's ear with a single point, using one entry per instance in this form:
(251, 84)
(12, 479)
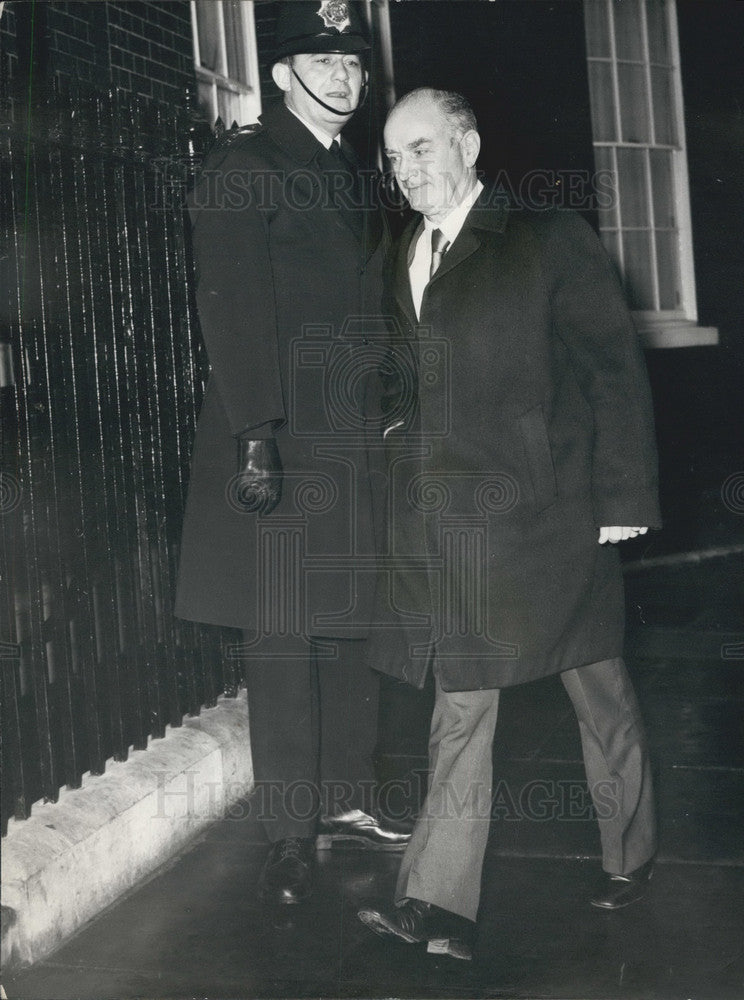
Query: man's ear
(280, 73)
(470, 144)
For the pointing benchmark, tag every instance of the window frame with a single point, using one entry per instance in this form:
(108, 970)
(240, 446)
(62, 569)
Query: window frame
(657, 327)
(244, 97)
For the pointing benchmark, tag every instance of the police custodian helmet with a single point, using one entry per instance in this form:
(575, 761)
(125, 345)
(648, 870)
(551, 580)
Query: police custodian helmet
(327, 26)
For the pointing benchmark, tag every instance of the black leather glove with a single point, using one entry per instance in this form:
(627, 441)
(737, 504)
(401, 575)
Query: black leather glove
(259, 485)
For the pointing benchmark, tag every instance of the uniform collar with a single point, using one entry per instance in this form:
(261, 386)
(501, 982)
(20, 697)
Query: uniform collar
(323, 138)
(289, 132)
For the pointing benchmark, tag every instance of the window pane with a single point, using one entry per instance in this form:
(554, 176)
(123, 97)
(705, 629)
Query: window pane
(603, 105)
(605, 187)
(633, 188)
(662, 186)
(611, 243)
(667, 262)
(639, 270)
(205, 99)
(637, 130)
(628, 37)
(208, 27)
(634, 119)
(661, 86)
(596, 27)
(235, 41)
(658, 38)
(227, 106)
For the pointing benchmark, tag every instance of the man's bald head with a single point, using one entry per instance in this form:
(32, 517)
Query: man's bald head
(453, 107)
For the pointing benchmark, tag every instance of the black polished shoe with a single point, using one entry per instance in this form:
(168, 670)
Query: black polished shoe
(287, 874)
(446, 933)
(358, 831)
(618, 891)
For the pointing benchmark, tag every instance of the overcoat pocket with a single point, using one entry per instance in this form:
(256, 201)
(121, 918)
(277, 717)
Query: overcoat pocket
(539, 457)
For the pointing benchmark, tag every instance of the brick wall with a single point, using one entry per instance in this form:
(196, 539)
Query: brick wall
(141, 47)
(8, 57)
(151, 48)
(76, 40)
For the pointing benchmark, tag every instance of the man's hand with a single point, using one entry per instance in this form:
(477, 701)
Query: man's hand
(259, 485)
(617, 534)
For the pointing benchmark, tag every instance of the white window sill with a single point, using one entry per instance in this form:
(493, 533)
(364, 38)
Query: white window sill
(675, 333)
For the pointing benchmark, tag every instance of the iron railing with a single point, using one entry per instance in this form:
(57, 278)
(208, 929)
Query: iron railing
(102, 377)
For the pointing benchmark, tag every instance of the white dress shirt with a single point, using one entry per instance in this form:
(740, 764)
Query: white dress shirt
(418, 272)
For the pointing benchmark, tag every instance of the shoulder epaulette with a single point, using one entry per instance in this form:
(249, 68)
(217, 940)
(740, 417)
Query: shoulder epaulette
(231, 135)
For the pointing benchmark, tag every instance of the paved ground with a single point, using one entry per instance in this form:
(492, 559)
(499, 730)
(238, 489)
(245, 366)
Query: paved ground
(197, 930)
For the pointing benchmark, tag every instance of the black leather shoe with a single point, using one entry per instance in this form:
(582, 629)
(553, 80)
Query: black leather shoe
(618, 891)
(358, 831)
(287, 874)
(415, 921)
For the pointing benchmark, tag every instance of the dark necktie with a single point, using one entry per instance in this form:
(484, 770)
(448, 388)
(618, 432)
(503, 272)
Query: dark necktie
(339, 156)
(439, 246)
(347, 168)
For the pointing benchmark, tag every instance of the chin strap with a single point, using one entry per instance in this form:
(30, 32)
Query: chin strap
(342, 114)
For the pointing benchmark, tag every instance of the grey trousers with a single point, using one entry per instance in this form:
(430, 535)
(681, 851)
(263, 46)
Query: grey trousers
(444, 860)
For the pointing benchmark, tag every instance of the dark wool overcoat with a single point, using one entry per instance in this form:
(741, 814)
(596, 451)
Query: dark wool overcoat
(289, 268)
(527, 425)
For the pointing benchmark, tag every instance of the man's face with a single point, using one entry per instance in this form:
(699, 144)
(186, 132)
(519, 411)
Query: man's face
(432, 166)
(335, 77)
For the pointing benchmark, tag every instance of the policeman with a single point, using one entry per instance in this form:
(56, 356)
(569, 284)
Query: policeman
(278, 527)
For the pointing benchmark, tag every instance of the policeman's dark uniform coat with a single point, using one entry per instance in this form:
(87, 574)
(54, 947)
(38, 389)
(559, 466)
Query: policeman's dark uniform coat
(534, 425)
(283, 265)
(289, 263)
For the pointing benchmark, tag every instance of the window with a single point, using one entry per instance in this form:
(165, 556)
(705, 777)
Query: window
(226, 60)
(638, 130)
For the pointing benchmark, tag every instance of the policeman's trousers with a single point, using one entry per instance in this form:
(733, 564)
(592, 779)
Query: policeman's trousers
(313, 731)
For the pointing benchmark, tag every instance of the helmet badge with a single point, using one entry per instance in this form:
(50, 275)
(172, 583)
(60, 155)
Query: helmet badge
(335, 14)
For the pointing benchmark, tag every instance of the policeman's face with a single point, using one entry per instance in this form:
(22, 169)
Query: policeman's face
(433, 165)
(335, 77)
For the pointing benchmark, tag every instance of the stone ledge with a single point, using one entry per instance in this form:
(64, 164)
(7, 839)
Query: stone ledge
(71, 859)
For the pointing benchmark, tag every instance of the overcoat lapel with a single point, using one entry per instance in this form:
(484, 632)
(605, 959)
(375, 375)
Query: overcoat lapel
(467, 242)
(401, 281)
(485, 215)
(367, 225)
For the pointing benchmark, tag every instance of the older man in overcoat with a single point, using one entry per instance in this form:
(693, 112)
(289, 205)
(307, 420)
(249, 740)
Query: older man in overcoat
(289, 244)
(521, 450)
